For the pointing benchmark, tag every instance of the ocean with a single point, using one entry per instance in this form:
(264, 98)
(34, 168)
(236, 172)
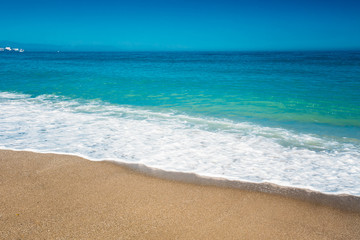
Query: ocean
(289, 118)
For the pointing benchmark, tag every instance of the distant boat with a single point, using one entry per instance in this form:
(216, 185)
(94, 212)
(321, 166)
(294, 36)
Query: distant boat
(9, 49)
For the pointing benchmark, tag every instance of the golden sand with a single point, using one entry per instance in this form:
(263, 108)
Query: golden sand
(48, 196)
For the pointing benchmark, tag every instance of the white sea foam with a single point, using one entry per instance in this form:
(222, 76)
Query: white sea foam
(175, 142)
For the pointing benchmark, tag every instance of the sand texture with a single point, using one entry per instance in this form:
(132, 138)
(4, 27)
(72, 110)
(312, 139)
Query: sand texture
(49, 196)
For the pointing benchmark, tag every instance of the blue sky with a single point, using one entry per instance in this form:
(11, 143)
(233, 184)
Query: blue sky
(184, 25)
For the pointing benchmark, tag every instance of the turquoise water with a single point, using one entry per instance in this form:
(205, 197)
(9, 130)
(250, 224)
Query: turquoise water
(301, 89)
(298, 109)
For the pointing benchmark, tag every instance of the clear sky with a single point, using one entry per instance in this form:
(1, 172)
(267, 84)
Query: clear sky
(184, 24)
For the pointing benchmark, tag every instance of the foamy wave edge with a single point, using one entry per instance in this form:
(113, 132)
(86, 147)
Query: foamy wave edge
(345, 202)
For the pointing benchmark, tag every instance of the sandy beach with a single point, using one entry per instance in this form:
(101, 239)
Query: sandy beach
(49, 196)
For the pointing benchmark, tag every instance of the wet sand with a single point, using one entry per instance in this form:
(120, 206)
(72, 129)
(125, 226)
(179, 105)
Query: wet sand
(48, 196)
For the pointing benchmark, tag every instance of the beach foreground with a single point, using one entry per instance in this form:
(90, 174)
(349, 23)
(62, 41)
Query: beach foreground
(49, 196)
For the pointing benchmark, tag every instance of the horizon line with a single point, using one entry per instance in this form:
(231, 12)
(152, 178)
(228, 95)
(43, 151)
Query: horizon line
(267, 50)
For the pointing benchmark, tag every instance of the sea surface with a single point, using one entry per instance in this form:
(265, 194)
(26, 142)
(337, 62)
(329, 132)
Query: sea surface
(290, 118)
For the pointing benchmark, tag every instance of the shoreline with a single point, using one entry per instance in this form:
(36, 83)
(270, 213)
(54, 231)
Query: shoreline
(65, 196)
(342, 201)
(346, 202)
